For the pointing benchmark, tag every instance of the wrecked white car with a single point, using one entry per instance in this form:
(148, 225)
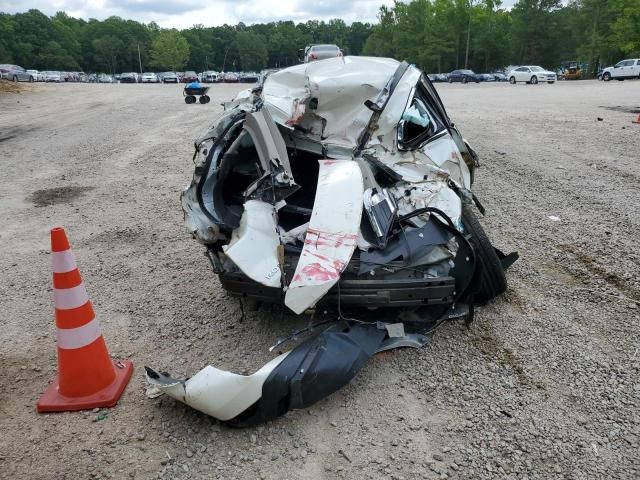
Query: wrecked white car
(343, 183)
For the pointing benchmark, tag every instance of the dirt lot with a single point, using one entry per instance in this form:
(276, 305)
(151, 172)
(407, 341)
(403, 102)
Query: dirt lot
(543, 385)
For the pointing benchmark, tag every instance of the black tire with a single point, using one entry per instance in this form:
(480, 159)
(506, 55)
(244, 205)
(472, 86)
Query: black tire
(15, 79)
(189, 99)
(203, 99)
(451, 80)
(512, 80)
(30, 79)
(534, 80)
(464, 80)
(492, 279)
(606, 77)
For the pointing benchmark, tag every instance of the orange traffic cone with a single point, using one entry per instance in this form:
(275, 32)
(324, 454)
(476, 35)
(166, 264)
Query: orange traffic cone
(87, 376)
(637, 120)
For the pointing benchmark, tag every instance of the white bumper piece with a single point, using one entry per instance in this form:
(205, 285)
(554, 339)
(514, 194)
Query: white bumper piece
(221, 394)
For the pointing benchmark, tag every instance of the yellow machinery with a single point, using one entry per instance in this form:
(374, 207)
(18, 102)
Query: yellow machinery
(572, 70)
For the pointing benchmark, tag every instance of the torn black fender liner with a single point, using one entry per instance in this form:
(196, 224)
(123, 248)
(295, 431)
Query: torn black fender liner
(313, 370)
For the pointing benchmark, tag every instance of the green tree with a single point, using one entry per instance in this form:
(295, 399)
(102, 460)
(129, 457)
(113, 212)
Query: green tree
(626, 26)
(252, 51)
(169, 50)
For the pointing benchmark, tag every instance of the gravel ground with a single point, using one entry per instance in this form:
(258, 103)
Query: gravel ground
(543, 385)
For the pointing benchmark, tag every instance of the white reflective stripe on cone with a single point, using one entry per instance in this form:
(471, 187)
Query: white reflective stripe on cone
(70, 338)
(67, 298)
(63, 262)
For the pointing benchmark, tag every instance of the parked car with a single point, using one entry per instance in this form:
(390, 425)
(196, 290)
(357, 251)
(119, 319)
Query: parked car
(531, 74)
(319, 52)
(16, 73)
(230, 77)
(622, 70)
(52, 76)
(210, 77)
(248, 77)
(189, 77)
(487, 77)
(169, 77)
(438, 77)
(149, 77)
(130, 77)
(500, 77)
(464, 76)
(104, 78)
(36, 75)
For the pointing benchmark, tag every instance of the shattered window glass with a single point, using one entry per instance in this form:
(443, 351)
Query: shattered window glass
(416, 124)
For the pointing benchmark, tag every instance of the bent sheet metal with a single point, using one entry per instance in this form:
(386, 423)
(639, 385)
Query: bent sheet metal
(297, 379)
(331, 236)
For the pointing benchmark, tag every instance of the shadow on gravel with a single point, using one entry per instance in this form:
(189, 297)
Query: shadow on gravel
(624, 109)
(53, 196)
(15, 132)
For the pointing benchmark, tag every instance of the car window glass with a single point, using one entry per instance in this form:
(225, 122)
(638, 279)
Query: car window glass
(325, 48)
(619, 64)
(417, 124)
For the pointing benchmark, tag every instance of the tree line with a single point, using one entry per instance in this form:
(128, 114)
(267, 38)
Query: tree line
(436, 35)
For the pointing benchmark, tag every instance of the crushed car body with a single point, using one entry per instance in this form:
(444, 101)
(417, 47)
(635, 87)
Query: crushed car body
(338, 182)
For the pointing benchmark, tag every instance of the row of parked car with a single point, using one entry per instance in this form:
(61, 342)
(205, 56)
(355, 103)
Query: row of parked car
(209, 76)
(526, 73)
(16, 73)
(176, 77)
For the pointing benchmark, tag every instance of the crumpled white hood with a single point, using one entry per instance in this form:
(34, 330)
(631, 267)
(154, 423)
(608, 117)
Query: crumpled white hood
(340, 85)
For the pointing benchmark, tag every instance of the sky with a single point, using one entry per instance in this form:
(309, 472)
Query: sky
(186, 13)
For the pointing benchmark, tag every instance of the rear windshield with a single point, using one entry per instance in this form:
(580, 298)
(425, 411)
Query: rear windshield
(324, 48)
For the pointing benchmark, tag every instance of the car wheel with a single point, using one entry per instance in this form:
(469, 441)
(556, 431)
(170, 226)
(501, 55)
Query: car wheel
(15, 79)
(190, 99)
(512, 80)
(204, 99)
(534, 80)
(31, 79)
(464, 80)
(492, 280)
(451, 80)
